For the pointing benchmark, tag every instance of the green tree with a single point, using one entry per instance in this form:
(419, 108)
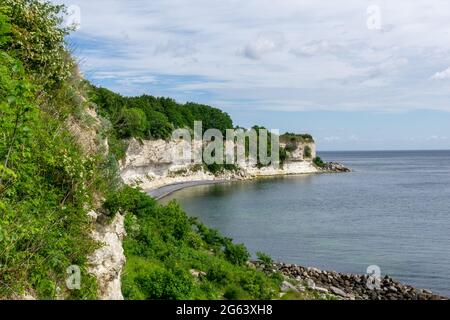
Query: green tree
(133, 124)
(159, 125)
(163, 115)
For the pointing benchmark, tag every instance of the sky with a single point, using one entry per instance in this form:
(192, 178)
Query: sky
(356, 74)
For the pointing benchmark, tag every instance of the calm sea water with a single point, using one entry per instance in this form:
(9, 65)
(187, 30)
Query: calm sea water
(393, 211)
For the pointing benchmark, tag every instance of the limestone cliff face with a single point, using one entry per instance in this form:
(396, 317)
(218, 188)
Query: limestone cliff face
(299, 147)
(107, 262)
(151, 164)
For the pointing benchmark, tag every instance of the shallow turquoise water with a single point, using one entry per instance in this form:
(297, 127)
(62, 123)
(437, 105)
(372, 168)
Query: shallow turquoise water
(393, 211)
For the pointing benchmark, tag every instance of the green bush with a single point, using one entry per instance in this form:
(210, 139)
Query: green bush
(134, 124)
(37, 40)
(235, 293)
(162, 246)
(283, 155)
(217, 169)
(159, 125)
(236, 253)
(127, 199)
(218, 274)
(160, 283)
(265, 259)
(319, 162)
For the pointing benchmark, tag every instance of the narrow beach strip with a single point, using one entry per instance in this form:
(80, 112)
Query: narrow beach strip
(164, 191)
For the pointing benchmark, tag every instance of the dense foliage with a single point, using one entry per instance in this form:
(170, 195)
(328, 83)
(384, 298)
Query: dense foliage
(289, 137)
(49, 181)
(46, 182)
(171, 256)
(149, 117)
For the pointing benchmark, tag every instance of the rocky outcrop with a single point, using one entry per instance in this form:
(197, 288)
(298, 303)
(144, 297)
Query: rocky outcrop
(299, 147)
(86, 129)
(349, 286)
(107, 262)
(334, 167)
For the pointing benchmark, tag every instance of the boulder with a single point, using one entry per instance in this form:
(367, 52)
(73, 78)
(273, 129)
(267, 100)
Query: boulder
(288, 287)
(321, 290)
(338, 292)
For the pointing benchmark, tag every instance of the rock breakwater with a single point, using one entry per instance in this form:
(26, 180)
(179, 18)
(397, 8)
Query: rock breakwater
(355, 286)
(349, 286)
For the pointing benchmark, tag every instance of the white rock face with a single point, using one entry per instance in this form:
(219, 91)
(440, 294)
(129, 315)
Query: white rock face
(289, 168)
(153, 164)
(107, 262)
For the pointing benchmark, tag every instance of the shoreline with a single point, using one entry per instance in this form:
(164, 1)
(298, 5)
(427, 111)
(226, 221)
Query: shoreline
(166, 190)
(345, 286)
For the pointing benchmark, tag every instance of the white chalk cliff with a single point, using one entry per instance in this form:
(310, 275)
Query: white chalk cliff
(149, 164)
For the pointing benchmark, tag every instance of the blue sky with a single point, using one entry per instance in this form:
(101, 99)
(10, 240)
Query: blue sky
(357, 74)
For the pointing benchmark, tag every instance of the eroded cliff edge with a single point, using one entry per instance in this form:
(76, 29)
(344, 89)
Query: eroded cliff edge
(149, 164)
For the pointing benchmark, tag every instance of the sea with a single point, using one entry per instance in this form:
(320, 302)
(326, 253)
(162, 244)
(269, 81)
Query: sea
(392, 212)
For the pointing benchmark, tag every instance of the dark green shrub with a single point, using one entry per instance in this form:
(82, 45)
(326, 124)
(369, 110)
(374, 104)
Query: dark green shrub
(235, 293)
(165, 285)
(319, 162)
(217, 273)
(133, 124)
(217, 169)
(159, 125)
(117, 147)
(211, 236)
(236, 253)
(283, 155)
(174, 221)
(257, 285)
(127, 199)
(265, 259)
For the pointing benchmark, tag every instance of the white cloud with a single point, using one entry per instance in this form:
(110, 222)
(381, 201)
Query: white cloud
(331, 139)
(290, 51)
(175, 48)
(124, 77)
(442, 75)
(315, 48)
(138, 80)
(265, 43)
